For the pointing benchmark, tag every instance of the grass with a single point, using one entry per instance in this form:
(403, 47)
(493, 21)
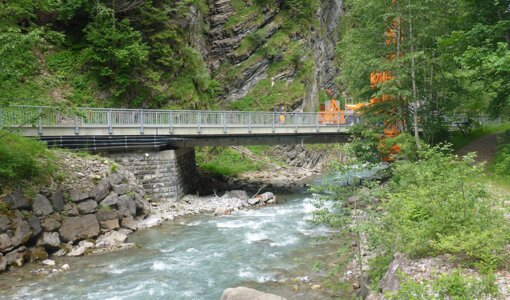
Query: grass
(226, 162)
(459, 140)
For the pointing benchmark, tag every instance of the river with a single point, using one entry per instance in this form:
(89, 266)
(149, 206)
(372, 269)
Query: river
(197, 258)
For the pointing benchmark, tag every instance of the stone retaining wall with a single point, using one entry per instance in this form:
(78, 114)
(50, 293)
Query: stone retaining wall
(165, 175)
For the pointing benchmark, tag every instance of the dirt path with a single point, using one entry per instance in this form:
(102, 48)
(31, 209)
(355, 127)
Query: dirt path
(485, 147)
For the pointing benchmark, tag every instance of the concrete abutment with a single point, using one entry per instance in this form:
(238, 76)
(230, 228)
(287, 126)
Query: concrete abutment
(166, 175)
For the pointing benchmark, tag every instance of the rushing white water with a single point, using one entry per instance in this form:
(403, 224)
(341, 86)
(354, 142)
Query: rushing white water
(193, 258)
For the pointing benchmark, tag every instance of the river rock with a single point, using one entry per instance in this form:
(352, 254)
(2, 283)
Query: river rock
(238, 194)
(115, 179)
(390, 280)
(80, 249)
(109, 225)
(243, 293)
(34, 223)
(49, 240)
(110, 200)
(101, 190)
(87, 207)
(48, 262)
(129, 223)
(50, 224)
(5, 223)
(78, 195)
(126, 206)
(23, 231)
(38, 254)
(82, 227)
(254, 201)
(5, 242)
(17, 257)
(110, 214)
(17, 200)
(57, 200)
(65, 267)
(3, 263)
(222, 211)
(121, 189)
(110, 239)
(71, 209)
(42, 206)
(150, 221)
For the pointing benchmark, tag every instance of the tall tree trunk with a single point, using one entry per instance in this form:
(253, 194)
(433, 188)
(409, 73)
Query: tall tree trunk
(413, 78)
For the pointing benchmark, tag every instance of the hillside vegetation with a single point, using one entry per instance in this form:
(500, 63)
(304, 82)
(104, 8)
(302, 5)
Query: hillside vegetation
(191, 54)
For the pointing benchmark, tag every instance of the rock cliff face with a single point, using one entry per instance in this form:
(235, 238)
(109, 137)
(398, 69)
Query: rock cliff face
(261, 56)
(91, 202)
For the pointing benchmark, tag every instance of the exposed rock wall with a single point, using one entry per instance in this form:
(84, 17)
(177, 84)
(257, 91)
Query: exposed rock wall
(52, 219)
(224, 37)
(165, 175)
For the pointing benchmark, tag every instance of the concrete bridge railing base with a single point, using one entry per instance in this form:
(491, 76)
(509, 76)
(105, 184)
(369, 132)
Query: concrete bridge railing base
(166, 175)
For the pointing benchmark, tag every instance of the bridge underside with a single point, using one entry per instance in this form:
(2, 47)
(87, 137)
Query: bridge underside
(166, 142)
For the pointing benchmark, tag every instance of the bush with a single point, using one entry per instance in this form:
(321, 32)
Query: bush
(22, 158)
(436, 206)
(447, 286)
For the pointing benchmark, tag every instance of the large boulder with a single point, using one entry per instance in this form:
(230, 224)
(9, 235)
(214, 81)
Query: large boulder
(390, 280)
(17, 200)
(5, 242)
(57, 200)
(34, 223)
(110, 200)
(115, 179)
(71, 209)
(17, 257)
(101, 190)
(81, 248)
(238, 194)
(38, 254)
(126, 206)
(121, 189)
(129, 223)
(78, 195)
(108, 225)
(23, 231)
(87, 207)
(110, 239)
(105, 215)
(5, 223)
(78, 228)
(50, 224)
(42, 206)
(49, 240)
(3, 263)
(243, 293)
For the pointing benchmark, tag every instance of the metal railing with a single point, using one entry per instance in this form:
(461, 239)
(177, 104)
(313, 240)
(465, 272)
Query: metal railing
(44, 117)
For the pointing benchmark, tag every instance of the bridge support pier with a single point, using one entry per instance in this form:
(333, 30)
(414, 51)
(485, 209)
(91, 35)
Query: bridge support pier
(166, 175)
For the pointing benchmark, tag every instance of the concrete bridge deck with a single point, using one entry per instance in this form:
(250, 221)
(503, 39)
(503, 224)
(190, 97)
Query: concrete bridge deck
(104, 128)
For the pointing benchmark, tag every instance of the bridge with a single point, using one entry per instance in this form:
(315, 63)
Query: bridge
(110, 129)
(158, 145)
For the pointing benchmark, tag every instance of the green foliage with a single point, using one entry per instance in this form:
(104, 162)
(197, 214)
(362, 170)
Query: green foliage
(226, 161)
(501, 164)
(115, 52)
(23, 159)
(435, 206)
(447, 286)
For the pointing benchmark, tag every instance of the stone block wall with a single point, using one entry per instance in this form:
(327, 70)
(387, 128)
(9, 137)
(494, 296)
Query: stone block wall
(165, 175)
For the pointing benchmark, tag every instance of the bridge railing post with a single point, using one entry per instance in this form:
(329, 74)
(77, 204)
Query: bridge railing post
(317, 123)
(141, 121)
(110, 125)
(171, 121)
(224, 121)
(199, 121)
(338, 121)
(39, 119)
(250, 121)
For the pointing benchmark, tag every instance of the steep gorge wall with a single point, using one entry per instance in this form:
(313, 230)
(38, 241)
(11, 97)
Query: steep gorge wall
(261, 57)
